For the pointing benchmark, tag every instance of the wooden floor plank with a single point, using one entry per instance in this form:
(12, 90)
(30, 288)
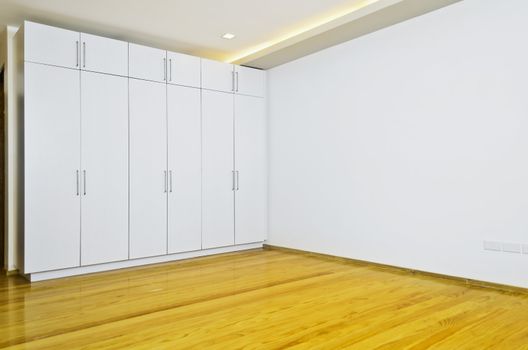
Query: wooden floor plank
(259, 299)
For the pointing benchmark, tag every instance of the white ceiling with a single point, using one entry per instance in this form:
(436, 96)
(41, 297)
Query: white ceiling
(191, 26)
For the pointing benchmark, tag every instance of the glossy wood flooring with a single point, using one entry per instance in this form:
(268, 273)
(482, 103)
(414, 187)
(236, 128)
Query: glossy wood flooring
(258, 300)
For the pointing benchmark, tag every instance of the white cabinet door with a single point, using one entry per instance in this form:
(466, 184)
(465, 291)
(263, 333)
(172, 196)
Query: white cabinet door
(147, 63)
(104, 55)
(218, 177)
(217, 76)
(183, 69)
(185, 187)
(50, 45)
(250, 81)
(104, 155)
(148, 168)
(251, 170)
(52, 162)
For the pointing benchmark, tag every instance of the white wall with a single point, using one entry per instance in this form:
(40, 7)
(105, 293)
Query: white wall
(7, 61)
(3, 60)
(409, 146)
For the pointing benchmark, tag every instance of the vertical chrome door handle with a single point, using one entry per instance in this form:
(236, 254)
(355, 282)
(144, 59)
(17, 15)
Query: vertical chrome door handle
(165, 181)
(236, 81)
(84, 182)
(84, 55)
(233, 180)
(77, 184)
(77, 53)
(237, 179)
(233, 81)
(170, 71)
(170, 181)
(164, 69)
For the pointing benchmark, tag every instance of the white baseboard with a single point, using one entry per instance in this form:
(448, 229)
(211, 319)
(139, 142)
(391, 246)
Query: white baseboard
(41, 276)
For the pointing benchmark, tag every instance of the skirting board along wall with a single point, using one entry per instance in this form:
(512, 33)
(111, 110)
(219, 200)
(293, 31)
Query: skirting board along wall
(41, 276)
(396, 269)
(408, 146)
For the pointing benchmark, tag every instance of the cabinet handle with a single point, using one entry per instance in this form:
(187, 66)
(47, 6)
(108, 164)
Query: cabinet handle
(237, 179)
(164, 69)
(77, 181)
(84, 55)
(77, 53)
(233, 180)
(84, 182)
(165, 181)
(233, 81)
(236, 81)
(170, 71)
(170, 181)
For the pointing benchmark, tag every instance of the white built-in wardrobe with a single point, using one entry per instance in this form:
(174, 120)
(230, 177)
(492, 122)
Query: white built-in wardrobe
(134, 155)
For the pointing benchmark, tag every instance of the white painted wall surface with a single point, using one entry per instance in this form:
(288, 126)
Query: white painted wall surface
(10, 214)
(408, 146)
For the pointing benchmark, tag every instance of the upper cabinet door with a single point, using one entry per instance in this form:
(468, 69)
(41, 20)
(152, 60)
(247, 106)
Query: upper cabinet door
(183, 69)
(104, 55)
(217, 76)
(50, 45)
(147, 63)
(250, 81)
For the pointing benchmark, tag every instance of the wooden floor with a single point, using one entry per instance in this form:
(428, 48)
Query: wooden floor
(258, 300)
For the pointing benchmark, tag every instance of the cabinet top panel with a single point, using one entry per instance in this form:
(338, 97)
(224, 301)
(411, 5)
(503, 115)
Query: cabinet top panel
(72, 49)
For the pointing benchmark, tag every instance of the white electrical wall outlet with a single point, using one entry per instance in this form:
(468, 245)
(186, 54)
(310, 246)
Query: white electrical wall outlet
(511, 248)
(494, 246)
(506, 247)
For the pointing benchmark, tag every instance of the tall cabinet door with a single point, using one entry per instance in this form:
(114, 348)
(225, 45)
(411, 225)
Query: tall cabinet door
(148, 168)
(218, 173)
(104, 156)
(251, 170)
(185, 187)
(52, 163)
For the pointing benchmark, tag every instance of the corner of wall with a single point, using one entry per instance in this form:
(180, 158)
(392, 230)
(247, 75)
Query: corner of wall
(11, 156)
(3, 59)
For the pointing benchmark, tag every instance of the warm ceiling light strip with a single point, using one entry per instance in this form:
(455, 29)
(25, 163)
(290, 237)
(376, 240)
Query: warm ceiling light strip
(301, 30)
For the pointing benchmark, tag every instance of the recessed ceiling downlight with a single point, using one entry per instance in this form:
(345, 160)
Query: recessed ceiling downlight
(228, 36)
